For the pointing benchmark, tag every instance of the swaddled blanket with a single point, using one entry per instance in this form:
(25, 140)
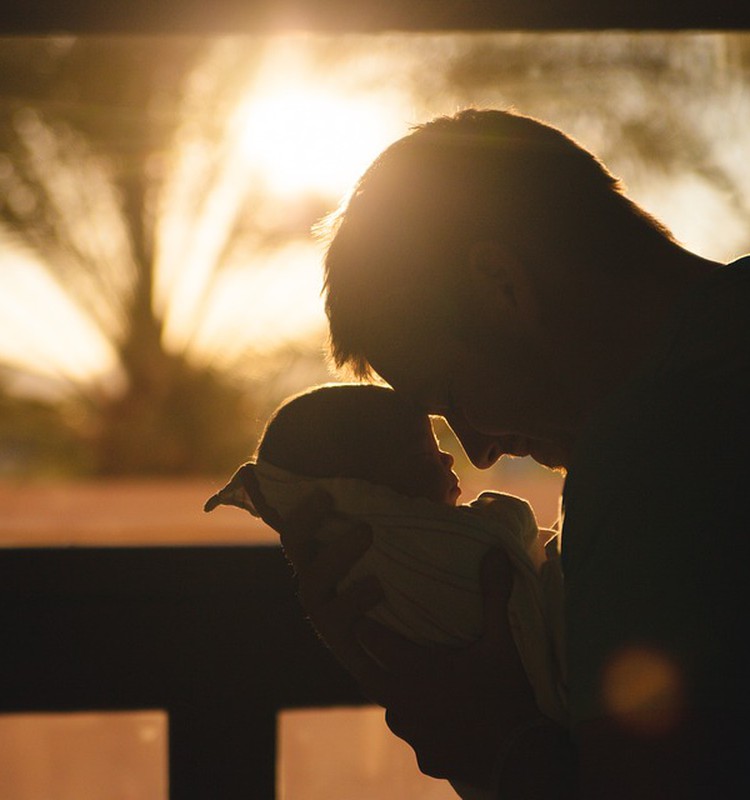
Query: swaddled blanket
(427, 558)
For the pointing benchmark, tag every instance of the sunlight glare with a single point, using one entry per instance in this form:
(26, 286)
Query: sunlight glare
(313, 130)
(301, 130)
(258, 309)
(691, 205)
(305, 139)
(43, 330)
(191, 247)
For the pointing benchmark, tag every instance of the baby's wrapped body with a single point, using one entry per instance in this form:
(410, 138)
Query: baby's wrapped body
(427, 559)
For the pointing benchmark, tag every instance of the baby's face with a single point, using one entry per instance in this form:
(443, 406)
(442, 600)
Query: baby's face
(421, 469)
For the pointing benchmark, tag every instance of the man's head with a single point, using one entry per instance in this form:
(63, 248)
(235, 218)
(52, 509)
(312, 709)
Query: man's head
(467, 255)
(362, 431)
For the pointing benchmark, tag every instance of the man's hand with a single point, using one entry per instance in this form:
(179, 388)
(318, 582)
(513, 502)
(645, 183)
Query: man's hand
(319, 570)
(458, 708)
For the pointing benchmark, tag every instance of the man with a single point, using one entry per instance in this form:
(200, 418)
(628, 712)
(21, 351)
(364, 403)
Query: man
(494, 271)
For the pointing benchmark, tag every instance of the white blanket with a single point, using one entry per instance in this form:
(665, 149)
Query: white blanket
(427, 558)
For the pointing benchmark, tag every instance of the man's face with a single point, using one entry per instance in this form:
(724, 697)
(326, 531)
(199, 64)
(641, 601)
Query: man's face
(496, 403)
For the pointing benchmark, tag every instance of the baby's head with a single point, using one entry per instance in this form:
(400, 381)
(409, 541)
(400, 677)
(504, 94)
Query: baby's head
(360, 431)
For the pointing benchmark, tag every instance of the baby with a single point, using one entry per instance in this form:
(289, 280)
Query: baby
(377, 456)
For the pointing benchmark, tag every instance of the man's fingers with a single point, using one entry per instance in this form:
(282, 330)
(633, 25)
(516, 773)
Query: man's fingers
(371, 678)
(496, 581)
(398, 655)
(300, 526)
(363, 595)
(343, 612)
(393, 663)
(321, 576)
(497, 640)
(341, 617)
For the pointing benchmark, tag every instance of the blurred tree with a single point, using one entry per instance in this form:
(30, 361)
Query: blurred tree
(88, 136)
(38, 437)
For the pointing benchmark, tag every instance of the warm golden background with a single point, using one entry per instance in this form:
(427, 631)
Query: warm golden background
(160, 290)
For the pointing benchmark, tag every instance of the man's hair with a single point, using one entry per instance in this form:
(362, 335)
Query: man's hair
(339, 430)
(397, 247)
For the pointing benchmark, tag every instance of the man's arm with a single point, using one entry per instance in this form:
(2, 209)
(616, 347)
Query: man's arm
(468, 713)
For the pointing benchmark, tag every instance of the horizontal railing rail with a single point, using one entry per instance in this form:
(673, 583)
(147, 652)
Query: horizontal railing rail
(213, 635)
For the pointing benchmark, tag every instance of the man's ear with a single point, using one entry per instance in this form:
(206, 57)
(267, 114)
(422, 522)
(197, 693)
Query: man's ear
(502, 277)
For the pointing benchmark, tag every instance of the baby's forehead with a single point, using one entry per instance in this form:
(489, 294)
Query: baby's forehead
(357, 413)
(401, 430)
(402, 412)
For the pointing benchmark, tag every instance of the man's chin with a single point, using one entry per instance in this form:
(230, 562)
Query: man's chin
(550, 455)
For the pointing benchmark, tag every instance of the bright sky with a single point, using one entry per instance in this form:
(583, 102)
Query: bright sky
(305, 127)
(299, 130)
(41, 327)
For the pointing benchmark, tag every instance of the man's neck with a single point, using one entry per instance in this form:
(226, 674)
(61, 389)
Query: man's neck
(616, 323)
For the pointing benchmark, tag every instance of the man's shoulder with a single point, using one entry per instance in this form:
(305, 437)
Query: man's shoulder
(705, 370)
(715, 316)
(674, 446)
(722, 300)
(701, 360)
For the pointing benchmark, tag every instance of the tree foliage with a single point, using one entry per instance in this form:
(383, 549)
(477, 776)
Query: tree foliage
(89, 134)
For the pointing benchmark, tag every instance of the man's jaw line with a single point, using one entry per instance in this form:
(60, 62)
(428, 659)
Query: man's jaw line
(546, 452)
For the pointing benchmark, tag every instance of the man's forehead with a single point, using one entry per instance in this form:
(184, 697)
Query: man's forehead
(418, 384)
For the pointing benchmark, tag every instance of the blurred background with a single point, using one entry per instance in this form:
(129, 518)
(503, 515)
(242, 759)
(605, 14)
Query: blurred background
(160, 285)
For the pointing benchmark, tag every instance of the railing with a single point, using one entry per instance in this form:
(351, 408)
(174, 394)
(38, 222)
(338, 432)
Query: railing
(212, 635)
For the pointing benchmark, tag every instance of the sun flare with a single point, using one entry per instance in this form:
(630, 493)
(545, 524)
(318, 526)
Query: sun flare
(304, 139)
(307, 129)
(300, 131)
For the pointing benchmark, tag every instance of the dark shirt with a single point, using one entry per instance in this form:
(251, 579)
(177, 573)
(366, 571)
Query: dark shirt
(656, 536)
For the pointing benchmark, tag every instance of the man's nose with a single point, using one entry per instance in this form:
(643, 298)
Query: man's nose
(482, 450)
